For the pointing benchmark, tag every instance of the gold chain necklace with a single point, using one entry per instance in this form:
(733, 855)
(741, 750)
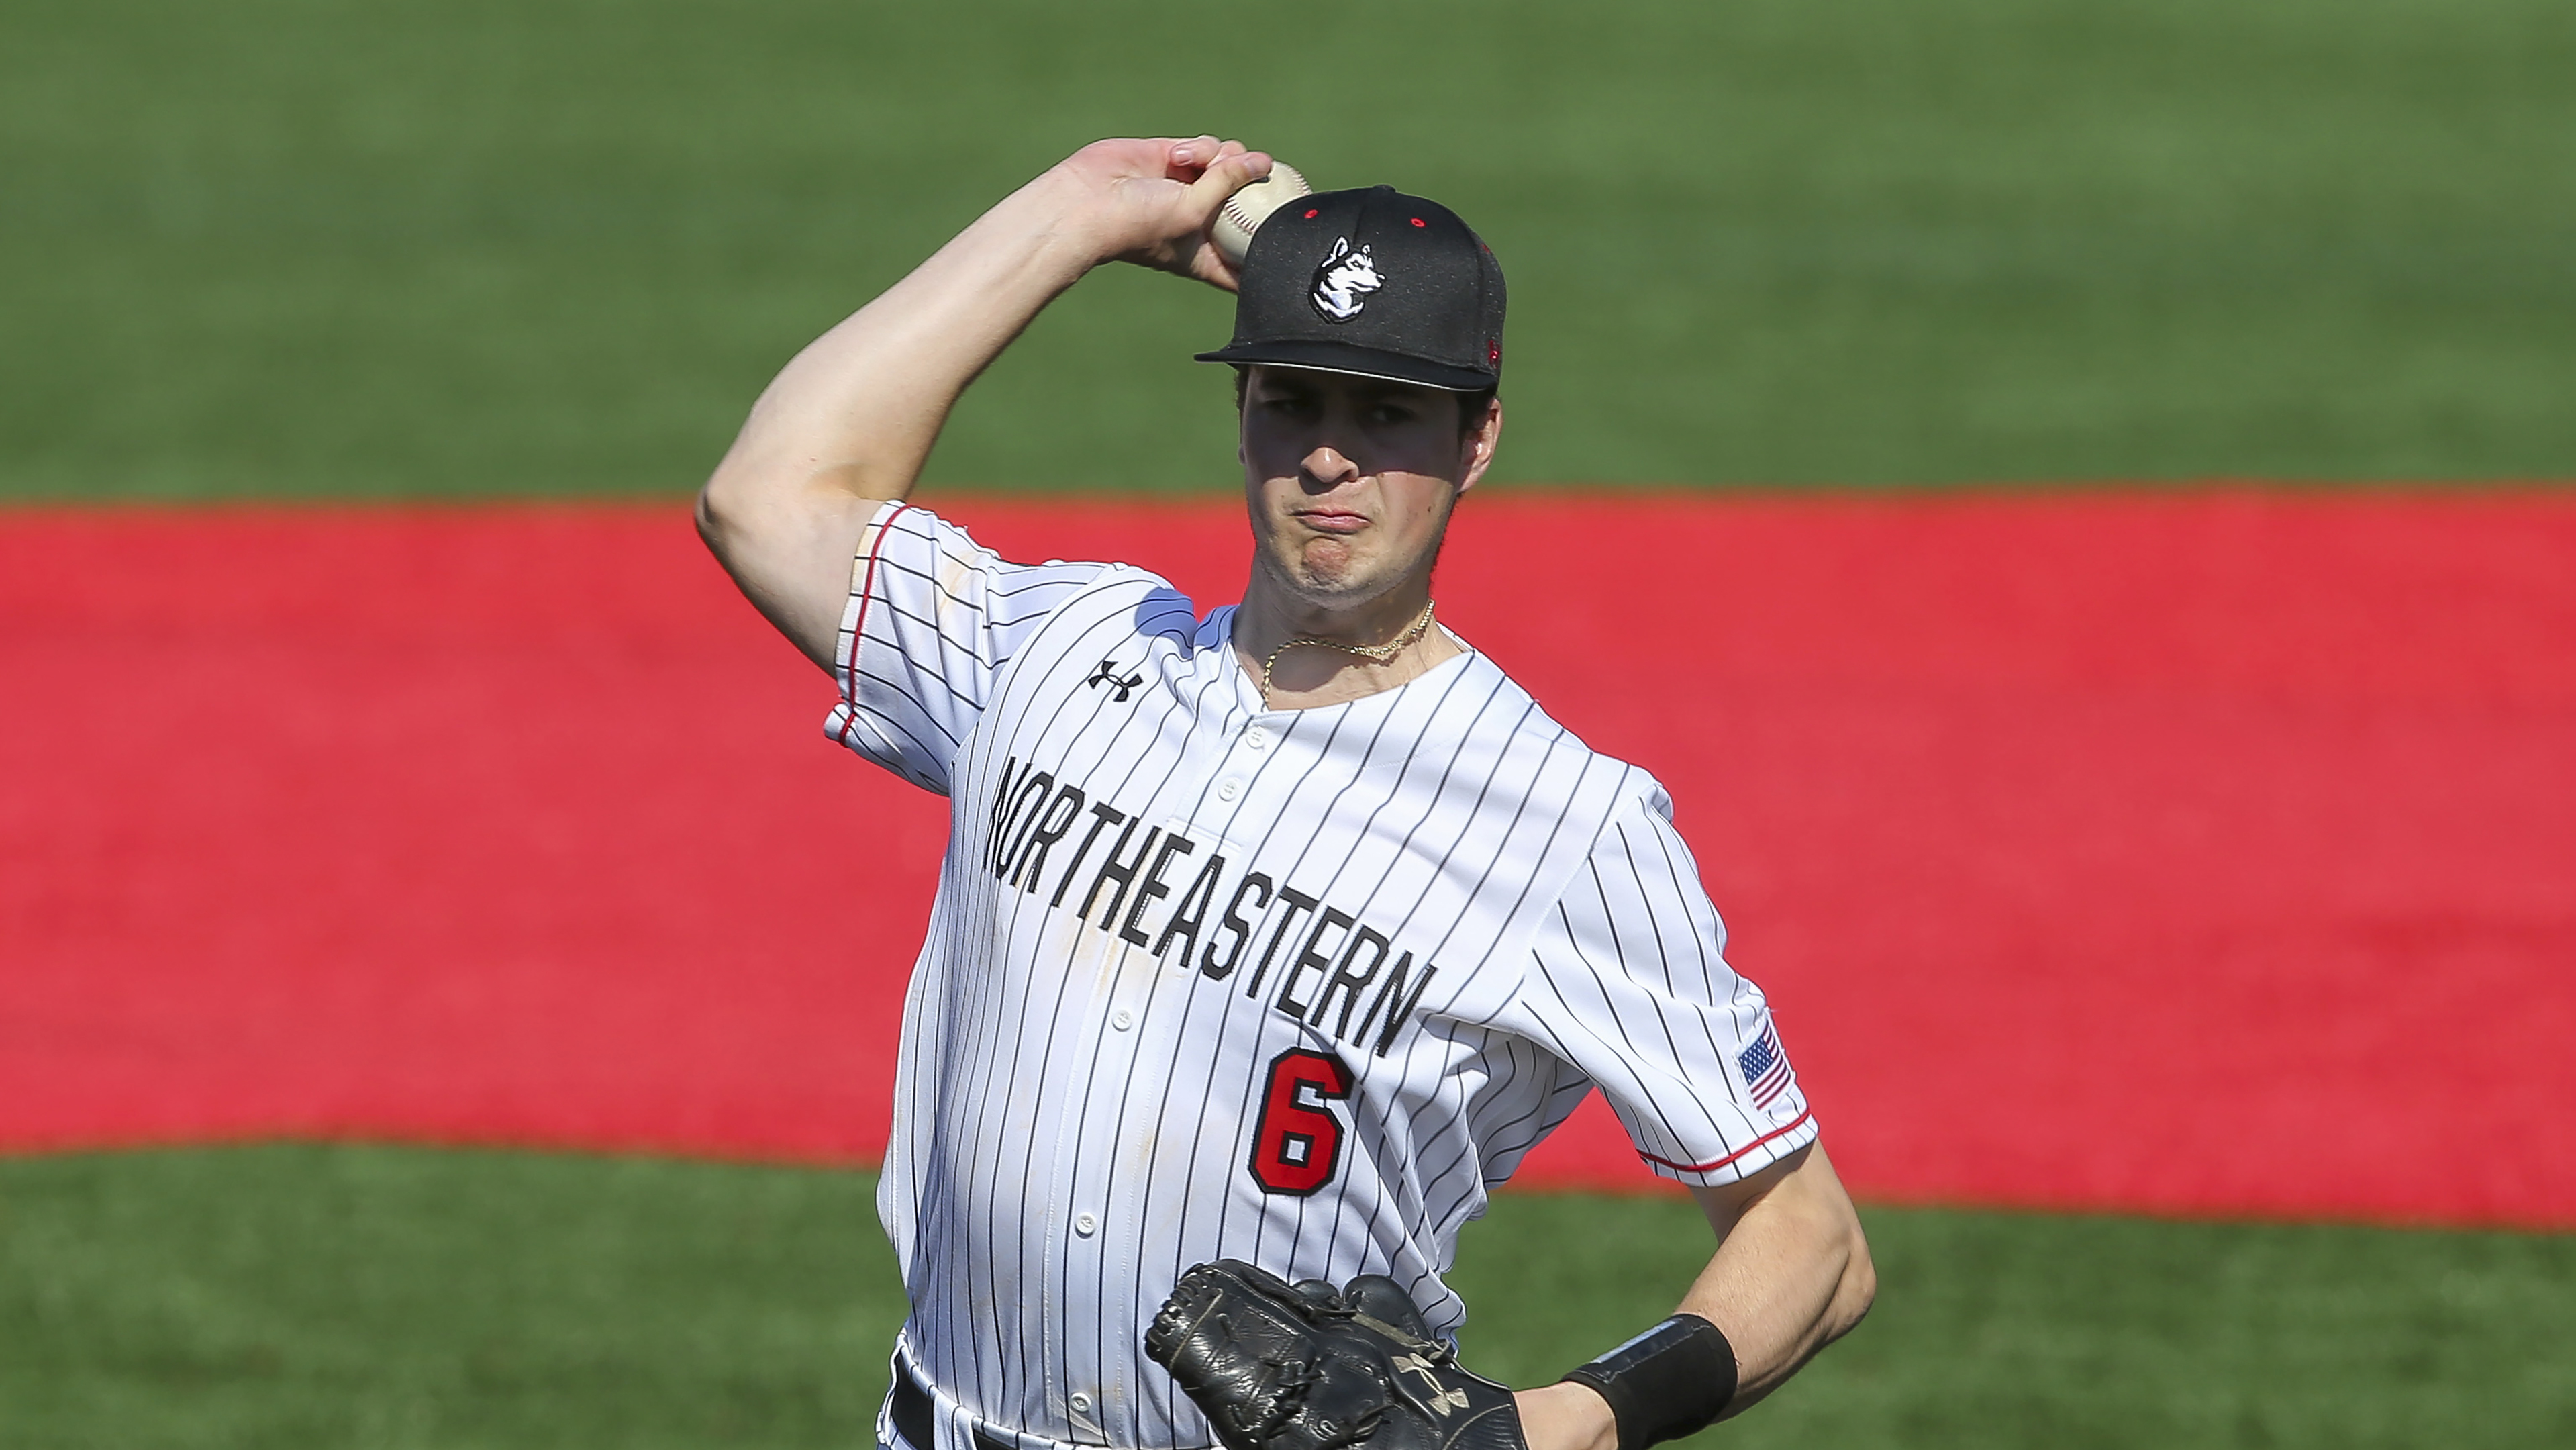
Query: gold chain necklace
(1377, 654)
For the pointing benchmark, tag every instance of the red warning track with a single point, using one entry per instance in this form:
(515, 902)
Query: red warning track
(2208, 853)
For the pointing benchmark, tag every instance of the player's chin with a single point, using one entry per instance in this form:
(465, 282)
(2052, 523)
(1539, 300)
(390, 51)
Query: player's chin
(1336, 566)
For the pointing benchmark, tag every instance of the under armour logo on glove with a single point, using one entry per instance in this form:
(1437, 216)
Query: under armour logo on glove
(1107, 674)
(1442, 1399)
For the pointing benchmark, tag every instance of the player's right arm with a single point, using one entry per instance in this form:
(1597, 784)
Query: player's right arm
(845, 427)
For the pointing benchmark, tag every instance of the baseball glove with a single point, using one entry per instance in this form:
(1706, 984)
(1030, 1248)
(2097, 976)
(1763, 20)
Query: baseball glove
(1281, 1366)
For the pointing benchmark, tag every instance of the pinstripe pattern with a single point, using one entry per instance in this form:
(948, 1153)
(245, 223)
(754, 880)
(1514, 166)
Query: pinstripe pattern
(1156, 893)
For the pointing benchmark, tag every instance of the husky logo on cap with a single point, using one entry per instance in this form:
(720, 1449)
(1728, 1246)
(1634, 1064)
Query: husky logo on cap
(1342, 279)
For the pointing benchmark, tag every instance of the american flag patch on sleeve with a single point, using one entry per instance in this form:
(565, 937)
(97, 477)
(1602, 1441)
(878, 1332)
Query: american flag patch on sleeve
(1766, 1067)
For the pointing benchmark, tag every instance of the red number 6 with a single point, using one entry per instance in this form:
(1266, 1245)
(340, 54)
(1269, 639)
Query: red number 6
(1298, 1145)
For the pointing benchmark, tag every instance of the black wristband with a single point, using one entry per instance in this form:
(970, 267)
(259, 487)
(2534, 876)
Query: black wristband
(1673, 1380)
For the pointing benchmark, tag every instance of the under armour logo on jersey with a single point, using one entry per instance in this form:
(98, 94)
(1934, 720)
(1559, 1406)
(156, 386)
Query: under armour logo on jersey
(1107, 674)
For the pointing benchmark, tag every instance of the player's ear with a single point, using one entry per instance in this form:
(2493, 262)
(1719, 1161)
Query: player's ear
(1476, 446)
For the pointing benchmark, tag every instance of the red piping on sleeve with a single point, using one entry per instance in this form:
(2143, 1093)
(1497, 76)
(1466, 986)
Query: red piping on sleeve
(1714, 1164)
(859, 630)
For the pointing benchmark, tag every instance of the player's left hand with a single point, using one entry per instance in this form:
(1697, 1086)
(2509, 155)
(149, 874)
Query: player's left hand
(1281, 1366)
(1152, 201)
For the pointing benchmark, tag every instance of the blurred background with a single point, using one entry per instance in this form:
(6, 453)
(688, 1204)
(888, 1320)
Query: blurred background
(2107, 465)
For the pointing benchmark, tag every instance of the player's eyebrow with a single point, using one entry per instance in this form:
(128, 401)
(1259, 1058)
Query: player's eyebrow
(1379, 395)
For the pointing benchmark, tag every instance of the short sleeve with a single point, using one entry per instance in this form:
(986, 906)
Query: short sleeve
(933, 618)
(1628, 982)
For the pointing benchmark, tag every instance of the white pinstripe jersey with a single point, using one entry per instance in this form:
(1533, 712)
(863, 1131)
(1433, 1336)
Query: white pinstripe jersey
(1206, 980)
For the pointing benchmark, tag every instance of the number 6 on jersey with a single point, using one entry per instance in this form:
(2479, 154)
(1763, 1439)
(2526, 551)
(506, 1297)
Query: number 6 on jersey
(1297, 1145)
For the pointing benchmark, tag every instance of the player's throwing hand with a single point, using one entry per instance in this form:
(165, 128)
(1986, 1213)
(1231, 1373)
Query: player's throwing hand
(1152, 201)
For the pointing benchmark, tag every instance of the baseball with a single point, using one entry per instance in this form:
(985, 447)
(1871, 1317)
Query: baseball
(1244, 211)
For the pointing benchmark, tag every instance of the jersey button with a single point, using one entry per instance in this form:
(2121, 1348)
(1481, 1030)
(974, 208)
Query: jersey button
(1080, 1402)
(1229, 790)
(1122, 1019)
(1086, 1225)
(1256, 738)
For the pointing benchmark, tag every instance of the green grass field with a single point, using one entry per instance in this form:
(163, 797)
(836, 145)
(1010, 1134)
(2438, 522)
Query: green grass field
(364, 1297)
(319, 249)
(323, 248)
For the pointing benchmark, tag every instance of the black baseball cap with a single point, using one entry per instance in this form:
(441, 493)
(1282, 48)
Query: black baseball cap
(1371, 282)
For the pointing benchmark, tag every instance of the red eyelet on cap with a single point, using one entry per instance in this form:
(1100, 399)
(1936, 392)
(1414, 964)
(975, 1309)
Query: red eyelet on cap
(1417, 221)
(1310, 213)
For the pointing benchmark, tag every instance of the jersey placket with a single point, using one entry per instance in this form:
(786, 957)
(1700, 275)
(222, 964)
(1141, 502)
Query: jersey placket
(1094, 1203)
(1222, 799)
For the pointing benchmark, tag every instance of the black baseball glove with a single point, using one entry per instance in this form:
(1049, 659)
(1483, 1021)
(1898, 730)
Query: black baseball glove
(1281, 1366)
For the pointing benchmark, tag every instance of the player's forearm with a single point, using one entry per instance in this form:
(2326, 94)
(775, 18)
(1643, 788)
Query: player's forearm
(1792, 1274)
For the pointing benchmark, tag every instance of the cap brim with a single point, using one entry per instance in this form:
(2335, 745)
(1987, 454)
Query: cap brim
(1365, 362)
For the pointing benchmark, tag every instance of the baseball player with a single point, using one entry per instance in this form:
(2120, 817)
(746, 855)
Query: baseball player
(1277, 932)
